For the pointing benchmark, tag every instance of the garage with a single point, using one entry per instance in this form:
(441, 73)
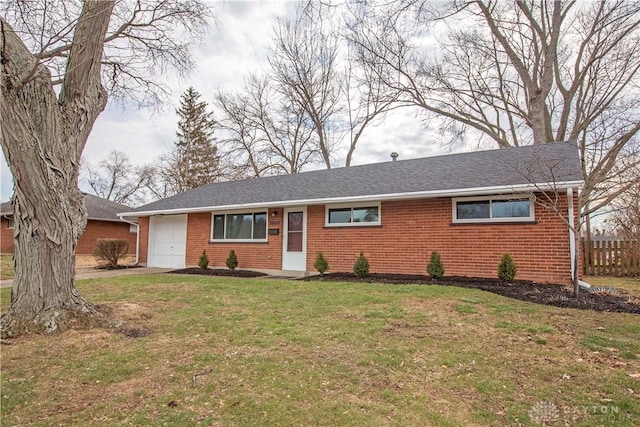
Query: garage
(167, 241)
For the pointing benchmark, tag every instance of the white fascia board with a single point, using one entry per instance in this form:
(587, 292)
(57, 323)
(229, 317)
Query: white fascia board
(106, 219)
(478, 191)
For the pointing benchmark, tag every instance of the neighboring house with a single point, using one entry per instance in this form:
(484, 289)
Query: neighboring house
(470, 207)
(102, 222)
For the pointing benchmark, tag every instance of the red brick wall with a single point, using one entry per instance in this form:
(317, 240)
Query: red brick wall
(104, 230)
(250, 255)
(410, 230)
(144, 239)
(93, 231)
(6, 237)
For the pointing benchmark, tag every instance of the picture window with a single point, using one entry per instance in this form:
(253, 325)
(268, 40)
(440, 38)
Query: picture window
(245, 226)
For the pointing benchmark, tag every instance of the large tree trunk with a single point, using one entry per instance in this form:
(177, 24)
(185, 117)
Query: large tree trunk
(42, 138)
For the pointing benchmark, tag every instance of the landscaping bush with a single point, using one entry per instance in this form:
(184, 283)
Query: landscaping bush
(507, 268)
(361, 267)
(111, 250)
(321, 263)
(232, 261)
(435, 267)
(203, 261)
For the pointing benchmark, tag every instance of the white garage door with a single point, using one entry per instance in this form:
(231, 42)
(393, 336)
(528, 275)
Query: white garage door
(167, 241)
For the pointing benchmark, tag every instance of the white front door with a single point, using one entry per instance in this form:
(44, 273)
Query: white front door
(294, 239)
(167, 241)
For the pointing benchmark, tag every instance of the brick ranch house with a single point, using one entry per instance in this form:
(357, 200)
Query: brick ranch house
(103, 222)
(470, 207)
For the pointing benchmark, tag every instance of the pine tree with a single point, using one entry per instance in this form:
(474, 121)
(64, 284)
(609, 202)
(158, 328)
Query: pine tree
(203, 261)
(435, 268)
(232, 261)
(321, 263)
(361, 267)
(507, 268)
(196, 160)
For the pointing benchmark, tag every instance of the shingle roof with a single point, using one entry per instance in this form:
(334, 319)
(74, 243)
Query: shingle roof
(103, 209)
(6, 208)
(97, 208)
(476, 171)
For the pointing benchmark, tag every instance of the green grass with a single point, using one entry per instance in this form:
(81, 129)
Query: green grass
(224, 351)
(6, 266)
(607, 345)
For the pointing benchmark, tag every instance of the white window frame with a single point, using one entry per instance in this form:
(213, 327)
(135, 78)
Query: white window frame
(239, 212)
(490, 199)
(352, 206)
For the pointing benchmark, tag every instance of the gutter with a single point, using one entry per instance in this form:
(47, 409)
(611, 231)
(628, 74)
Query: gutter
(572, 232)
(137, 237)
(480, 191)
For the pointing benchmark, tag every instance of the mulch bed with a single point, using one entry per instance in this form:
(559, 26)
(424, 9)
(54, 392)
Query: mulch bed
(555, 295)
(218, 272)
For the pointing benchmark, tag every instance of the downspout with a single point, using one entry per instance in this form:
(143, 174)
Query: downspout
(137, 237)
(572, 234)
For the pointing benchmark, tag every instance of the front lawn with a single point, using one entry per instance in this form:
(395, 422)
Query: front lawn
(82, 262)
(6, 266)
(226, 351)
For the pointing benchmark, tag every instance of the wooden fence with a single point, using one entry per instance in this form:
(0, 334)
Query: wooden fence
(611, 258)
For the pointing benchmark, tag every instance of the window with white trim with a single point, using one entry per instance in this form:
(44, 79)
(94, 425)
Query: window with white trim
(352, 215)
(241, 226)
(493, 209)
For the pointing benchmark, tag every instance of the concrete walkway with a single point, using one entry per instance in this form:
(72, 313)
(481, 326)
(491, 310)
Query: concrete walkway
(90, 273)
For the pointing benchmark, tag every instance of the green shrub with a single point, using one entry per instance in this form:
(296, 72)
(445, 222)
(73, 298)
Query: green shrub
(435, 267)
(361, 267)
(203, 261)
(111, 250)
(507, 268)
(321, 263)
(232, 261)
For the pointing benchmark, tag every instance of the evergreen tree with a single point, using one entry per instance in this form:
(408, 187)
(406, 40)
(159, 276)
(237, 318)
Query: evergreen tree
(196, 160)
(321, 263)
(361, 267)
(232, 261)
(507, 268)
(203, 261)
(435, 268)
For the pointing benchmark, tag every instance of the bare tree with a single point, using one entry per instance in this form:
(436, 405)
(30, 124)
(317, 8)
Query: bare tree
(114, 178)
(529, 72)
(304, 65)
(313, 69)
(56, 57)
(553, 192)
(624, 213)
(243, 143)
(313, 104)
(268, 134)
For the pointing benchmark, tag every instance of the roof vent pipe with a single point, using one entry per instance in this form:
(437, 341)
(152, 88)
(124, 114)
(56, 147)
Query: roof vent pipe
(394, 156)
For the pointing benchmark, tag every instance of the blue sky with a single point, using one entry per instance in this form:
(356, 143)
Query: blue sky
(235, 46)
